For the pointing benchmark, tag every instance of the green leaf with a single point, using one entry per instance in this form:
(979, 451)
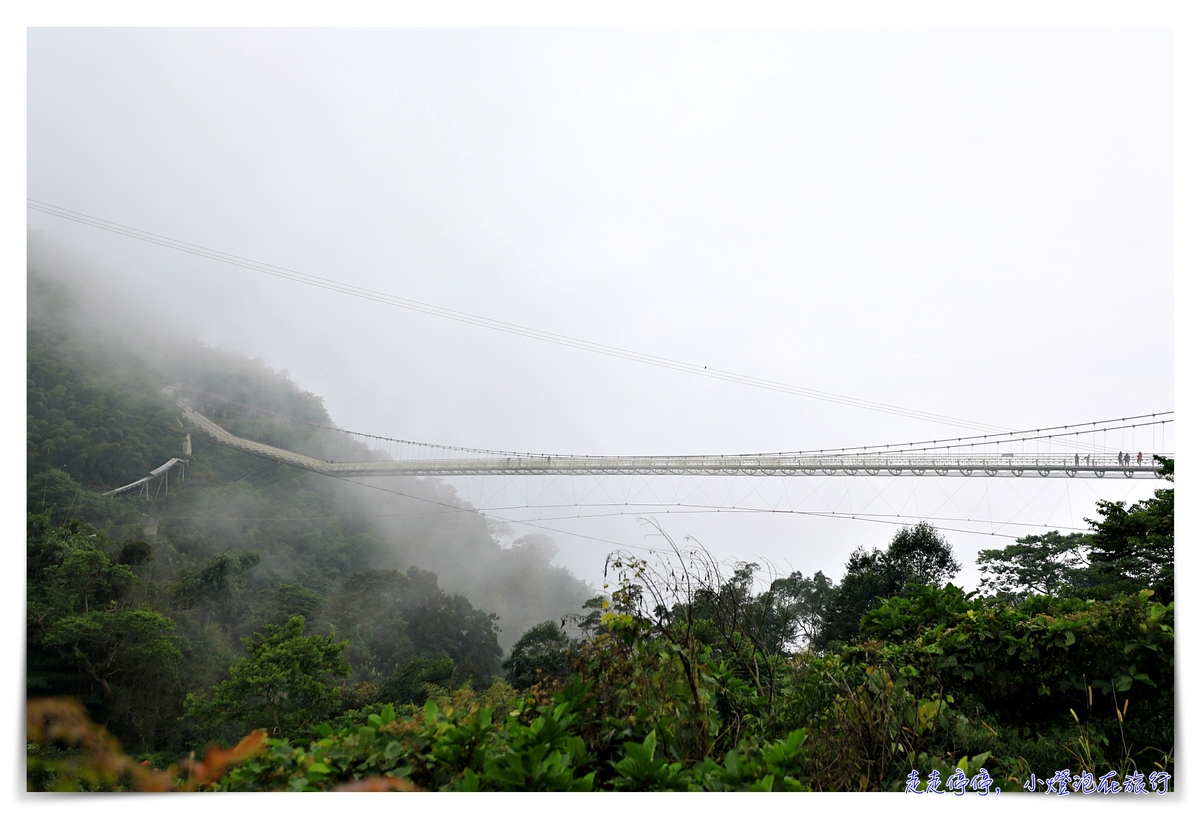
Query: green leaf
(766, 784)
(470, 781)
(393, 750)
(582, 784)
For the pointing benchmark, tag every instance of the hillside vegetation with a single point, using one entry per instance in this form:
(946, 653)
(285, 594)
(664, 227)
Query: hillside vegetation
(135, 602)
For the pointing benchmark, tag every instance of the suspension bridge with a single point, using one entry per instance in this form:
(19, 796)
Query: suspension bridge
(811, 483)
(1064, 452)
(1072, 451)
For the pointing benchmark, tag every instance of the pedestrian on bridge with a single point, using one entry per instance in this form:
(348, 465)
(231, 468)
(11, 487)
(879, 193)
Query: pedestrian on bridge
(1139, 458)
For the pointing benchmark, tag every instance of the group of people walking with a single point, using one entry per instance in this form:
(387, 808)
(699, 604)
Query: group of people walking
(1123, 458)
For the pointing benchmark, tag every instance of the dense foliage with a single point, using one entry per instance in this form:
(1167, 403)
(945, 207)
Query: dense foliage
(284, 683)
(1134, 547)
(918, 556)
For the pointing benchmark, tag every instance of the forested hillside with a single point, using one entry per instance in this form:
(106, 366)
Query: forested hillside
(137, 601)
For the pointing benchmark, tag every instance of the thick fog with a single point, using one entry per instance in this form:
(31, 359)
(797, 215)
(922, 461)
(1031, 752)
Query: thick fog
(973, 223)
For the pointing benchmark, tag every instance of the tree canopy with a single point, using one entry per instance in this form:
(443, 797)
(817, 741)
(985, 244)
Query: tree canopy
(917, 555)
(542, 653)
(285, 683)
(1038, 564)
(1134, 547)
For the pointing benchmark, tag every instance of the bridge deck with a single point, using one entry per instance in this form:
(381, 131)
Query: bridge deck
(871, 464)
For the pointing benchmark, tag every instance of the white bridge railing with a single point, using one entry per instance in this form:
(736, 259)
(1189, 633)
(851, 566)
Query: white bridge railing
(862, 464)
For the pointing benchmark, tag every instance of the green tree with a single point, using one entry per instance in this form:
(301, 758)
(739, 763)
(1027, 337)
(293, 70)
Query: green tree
(218, 588)
(58, 492)
(409, 683)
(774, 620)
(286, 600)
(542, 652)
(85, 636)
(919, 555)
(285, 683)
(1134, 548)
(802, 603)
(135, 553)
(77, 608)
(116, 645)
(1050, 563)
(393, 617)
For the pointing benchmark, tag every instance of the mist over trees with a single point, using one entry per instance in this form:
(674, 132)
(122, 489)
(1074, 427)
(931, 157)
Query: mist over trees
(98, 418)
(168, 586)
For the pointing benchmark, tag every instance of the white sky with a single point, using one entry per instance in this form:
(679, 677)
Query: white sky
(976, 223)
